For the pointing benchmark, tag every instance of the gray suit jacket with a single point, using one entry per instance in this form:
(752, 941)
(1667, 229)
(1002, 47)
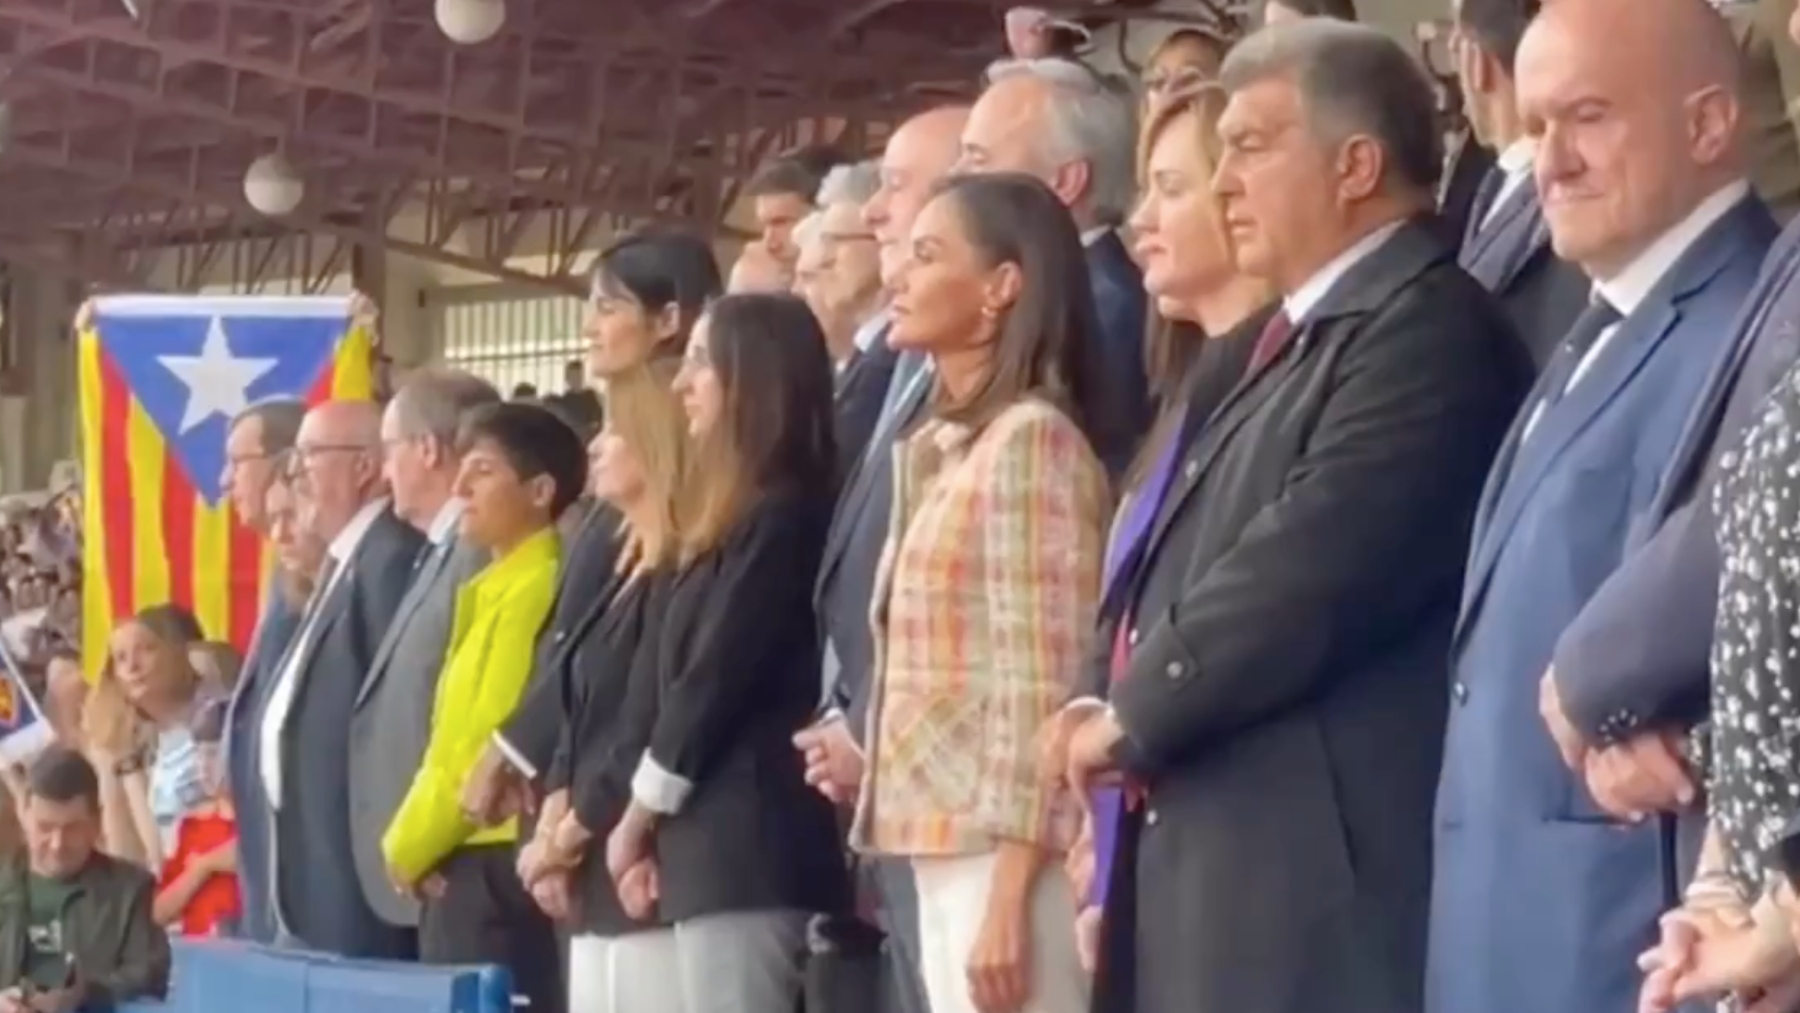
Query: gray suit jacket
(392, 720)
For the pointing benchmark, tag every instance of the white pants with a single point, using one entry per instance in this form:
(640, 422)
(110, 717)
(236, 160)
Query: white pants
(638, 973)
(953, 895)
(745, 962)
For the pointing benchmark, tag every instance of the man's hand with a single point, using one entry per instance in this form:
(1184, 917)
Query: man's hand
(834, 763)
(639, 890)
(626, 846)
(495, 790)
(1640, 777)
(1569, 740)
(1090, 751)
(1053, 740)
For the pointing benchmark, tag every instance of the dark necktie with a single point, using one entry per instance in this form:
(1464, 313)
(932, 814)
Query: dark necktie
(1580, 340)
(1274, 337)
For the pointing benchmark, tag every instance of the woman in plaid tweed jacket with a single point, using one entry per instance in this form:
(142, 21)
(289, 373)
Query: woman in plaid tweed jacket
(985, 595)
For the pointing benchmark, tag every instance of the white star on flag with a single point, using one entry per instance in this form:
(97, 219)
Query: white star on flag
(217, 382)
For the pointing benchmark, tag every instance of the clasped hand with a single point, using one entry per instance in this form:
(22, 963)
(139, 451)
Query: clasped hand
(1630, 780)
(1707, 953)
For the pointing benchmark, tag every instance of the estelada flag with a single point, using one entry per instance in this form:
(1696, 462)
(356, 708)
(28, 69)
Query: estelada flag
(161, 379)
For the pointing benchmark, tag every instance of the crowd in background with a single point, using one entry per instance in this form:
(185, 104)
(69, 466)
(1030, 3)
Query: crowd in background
(1196, 544)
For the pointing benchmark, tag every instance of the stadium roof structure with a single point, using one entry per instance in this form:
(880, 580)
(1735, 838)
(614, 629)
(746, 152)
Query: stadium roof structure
(128, 125)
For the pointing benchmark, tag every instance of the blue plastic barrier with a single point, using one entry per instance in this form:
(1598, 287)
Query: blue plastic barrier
(226, 977)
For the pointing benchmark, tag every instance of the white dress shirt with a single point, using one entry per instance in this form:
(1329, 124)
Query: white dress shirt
(341, 550)
(443, 526)
(1308, 296)
(1626, 290)
(1515, 168)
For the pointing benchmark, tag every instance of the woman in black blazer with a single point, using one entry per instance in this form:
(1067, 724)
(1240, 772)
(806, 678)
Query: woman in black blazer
(745, 851)
(643, 467)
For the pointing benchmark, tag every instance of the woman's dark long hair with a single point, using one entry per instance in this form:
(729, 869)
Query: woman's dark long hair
(776, 426)
(660, 269)
(1046, 345)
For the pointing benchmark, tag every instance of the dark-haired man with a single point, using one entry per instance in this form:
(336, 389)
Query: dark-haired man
(783, 192)
(76, 926)
(1506, 245)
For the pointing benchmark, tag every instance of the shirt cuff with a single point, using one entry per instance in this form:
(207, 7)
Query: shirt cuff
(658, 790)
(516, 758)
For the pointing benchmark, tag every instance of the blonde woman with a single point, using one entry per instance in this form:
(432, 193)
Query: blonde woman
(1212, 315)
(622, 954)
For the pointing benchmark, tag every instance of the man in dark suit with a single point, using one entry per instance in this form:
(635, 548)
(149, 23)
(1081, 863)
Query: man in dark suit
(1059, 121)
(392, 717)
(1506, 245)
(303, 730)
(1527, 871)
(921, 152)
(256, 449)
(1631, 675)
(1280, 698)
(839, 275)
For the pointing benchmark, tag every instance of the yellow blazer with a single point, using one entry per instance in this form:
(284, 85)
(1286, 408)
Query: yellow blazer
(493, 640)
(983, 610)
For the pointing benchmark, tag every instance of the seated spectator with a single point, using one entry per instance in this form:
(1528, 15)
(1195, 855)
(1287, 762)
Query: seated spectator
(82, 920)
(198, 890)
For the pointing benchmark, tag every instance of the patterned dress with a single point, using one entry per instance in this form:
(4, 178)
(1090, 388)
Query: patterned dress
(1754, 782)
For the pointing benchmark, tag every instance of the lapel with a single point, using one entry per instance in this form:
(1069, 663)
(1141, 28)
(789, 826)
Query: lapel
(1611, 370)
(1700, 429)
(1518, 209)
(431, 568)
(1366, 287)
(856, 492)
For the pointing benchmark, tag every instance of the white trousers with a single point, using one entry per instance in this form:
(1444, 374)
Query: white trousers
(953, 895)
(745, 962)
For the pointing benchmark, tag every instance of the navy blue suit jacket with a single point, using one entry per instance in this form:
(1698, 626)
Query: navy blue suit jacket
(1638, 656)
(1123, 398)
(243, 762)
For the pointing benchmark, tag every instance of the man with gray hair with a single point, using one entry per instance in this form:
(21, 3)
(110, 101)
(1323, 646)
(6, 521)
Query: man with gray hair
(1281, 681)
(839, 276)
(1062, 123)
(392, 716)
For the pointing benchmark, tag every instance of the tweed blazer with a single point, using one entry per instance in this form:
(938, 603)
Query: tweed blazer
(984, 602)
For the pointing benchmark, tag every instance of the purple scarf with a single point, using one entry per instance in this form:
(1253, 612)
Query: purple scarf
(1133, 528)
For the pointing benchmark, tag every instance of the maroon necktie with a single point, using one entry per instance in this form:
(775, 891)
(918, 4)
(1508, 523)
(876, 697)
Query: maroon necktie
(1274, 337)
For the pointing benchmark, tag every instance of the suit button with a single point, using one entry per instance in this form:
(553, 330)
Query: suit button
(1192, 471)
(561, 635)
(1151, 817)
(1173, 671)
(1459, 692)
(1131, 637)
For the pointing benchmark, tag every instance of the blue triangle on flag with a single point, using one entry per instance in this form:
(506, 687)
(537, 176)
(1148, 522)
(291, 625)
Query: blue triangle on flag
(193, 371)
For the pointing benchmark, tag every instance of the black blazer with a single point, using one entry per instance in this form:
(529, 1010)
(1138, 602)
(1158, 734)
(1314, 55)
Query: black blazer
(608, 686)
(318, 894)
(862, 389)
(738, 664)
(1286, 696)
(536, 726)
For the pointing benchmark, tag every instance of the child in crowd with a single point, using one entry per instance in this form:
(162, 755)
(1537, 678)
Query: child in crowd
(198, 892)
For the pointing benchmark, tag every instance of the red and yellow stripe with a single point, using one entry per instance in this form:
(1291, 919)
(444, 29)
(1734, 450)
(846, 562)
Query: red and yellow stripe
(149, 537)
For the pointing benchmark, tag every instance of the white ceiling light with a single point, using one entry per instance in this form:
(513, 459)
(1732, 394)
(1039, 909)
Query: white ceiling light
(468, 22)
(272, 186)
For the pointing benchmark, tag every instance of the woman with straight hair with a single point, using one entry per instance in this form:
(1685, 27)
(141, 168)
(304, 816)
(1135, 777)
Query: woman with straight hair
(1210, 316)
(984, 595)
(745, 851)
(647, 291)
(622, 956)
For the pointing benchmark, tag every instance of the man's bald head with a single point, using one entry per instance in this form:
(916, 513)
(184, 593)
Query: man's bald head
(1635, 106)
(920, 152)
(338, 453)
